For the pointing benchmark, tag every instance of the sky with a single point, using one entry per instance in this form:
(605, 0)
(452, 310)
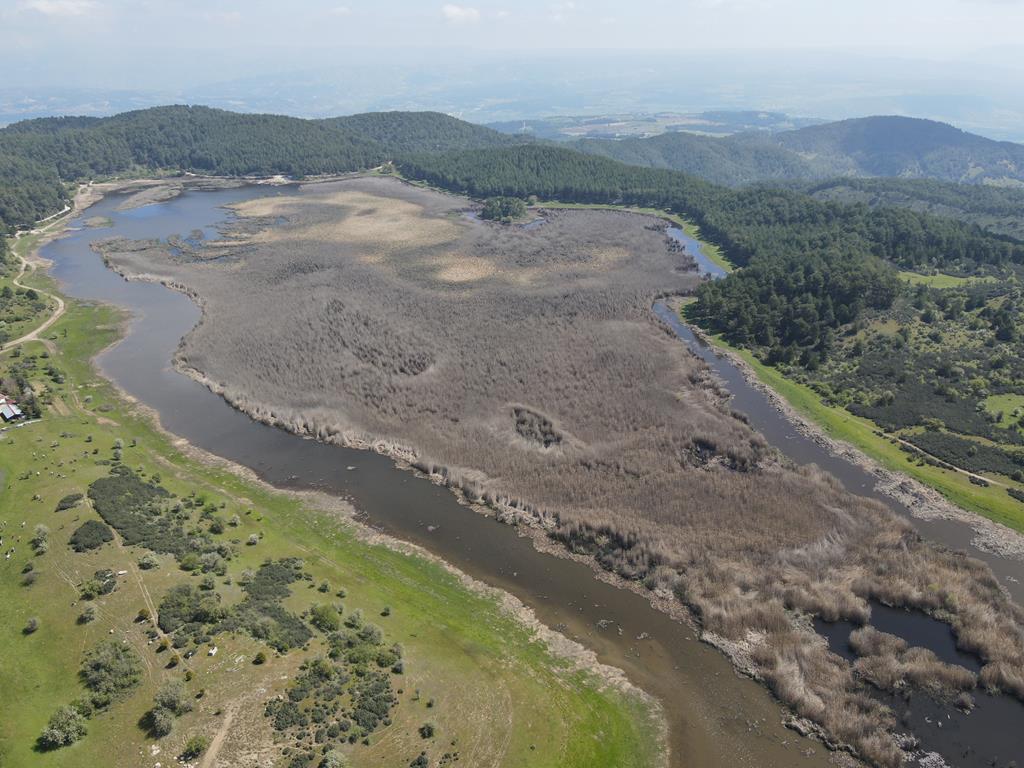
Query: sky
(66, 30)
(818, 57)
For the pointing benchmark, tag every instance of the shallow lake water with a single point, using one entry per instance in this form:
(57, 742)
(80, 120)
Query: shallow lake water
(716, 717)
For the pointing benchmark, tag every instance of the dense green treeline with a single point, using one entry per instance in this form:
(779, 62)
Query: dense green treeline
(29, 191)
(39, 157)
(995, 209)
(36, 156)
(792, 305)
(197, 139)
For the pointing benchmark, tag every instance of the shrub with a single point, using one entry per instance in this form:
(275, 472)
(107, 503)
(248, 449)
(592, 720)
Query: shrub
(31, 626)
(194, 747)
(149, 561)
(427, 731)
(324, 618)
(88, 615)
(159, 722)
(334, 759)
(173, 697)
(190, 562)
(40, 539)
(68, 502)
(127, 504)
(259, 658)
(66, 726)
(91, 534)
(184, 604)
(110, 669)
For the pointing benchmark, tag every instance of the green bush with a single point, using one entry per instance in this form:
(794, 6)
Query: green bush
(68, 502)
(110, 670)
(503, 208)
(66, 726)
(194, 747)
(325, 618)
(91, 534)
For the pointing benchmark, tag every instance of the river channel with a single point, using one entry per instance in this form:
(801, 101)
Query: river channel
(716, 718)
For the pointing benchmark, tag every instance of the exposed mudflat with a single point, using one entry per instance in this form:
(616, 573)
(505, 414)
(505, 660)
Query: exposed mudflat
(525, 367)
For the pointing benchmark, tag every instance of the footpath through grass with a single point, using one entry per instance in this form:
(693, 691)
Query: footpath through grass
(495, 695)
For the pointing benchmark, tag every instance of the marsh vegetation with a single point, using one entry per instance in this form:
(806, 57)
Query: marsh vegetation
(523, 367)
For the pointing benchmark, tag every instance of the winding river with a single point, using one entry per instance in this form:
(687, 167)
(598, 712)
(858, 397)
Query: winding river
(716, 717)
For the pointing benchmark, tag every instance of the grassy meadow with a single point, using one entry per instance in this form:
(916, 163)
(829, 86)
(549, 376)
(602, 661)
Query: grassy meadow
(495, 695)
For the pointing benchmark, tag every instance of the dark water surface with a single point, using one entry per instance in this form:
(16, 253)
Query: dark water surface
(716, 718)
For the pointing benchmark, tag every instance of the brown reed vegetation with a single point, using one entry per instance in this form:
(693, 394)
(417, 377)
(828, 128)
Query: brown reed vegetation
(525, 367)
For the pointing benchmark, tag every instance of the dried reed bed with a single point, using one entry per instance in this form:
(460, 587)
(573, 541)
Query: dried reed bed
(524, 366)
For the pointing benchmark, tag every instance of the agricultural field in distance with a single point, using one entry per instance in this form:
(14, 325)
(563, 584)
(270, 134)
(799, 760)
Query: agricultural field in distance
(386, 655)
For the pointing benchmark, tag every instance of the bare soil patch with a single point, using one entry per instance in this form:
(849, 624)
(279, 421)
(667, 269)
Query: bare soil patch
(524, 368)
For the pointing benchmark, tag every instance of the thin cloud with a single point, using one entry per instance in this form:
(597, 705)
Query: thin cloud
(460, 14)
(61, 7)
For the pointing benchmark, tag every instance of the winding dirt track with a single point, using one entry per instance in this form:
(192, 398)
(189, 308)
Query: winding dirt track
(30, 268)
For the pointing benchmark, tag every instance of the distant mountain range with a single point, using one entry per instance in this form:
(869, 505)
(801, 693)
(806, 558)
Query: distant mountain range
(888, 147)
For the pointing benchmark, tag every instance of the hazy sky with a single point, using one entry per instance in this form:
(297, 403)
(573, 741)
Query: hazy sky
(65, 30)
(955, 60)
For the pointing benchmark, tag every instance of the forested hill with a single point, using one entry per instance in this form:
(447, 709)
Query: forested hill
(996, 209)
(906, 147)
(401, 132)
(889, 147)
(36, 156)
(720, 160)
(196, 139)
